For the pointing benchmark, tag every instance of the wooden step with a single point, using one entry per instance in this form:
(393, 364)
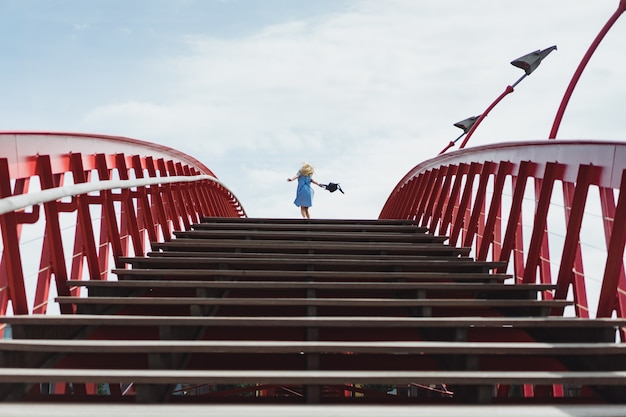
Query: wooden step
(328, 355)
(541, 329)
(284, 257)
(365, 265)
(616, 350)
(130, 287)
(311, 236)
(370, 228)
(320, 410)
(168, 377)
(298, 246)
(298, 221)
(323, 306)
(325, 276)
(335, 302)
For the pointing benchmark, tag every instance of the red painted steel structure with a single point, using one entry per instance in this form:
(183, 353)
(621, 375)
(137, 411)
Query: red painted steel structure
(476, 197)
(128, 218)
(621, 8)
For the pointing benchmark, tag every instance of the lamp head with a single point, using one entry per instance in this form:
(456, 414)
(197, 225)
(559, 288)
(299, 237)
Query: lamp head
(467, 124)
(531, 61)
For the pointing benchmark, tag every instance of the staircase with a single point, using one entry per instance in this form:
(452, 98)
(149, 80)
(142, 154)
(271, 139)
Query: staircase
(280, 311)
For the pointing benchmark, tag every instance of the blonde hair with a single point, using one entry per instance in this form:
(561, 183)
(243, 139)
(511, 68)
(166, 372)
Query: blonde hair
(306, 170)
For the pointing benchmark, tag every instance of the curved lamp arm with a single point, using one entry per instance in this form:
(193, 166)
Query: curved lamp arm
(528, 63)
(570, 88)
(509, 89)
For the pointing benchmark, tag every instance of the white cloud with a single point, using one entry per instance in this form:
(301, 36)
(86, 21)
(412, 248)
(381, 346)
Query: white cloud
(368, 93)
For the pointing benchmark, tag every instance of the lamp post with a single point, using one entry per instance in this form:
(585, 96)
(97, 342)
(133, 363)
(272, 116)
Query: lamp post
(594, 45)
(466, 125)
(528, 63)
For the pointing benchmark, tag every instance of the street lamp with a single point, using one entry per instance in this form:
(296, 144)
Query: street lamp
(531, 61)
(466, 125)
(528, 63)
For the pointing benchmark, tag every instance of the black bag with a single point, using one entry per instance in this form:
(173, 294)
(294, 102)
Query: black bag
(332, 187)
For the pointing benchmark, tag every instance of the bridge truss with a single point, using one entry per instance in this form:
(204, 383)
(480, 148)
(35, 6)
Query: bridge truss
(528, 203)
(116, 193)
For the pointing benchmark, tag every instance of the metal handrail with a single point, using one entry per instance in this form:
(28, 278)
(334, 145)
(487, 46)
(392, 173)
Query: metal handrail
(19, 202)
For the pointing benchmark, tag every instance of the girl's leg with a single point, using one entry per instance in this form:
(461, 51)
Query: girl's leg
(306, 212)
(303, 212)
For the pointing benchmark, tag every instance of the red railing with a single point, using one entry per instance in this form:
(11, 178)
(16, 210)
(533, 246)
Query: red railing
(502, 201)
(103, 198)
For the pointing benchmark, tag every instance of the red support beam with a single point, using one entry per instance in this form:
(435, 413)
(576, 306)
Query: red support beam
(426, 191)
(179, 196)
(586, 175)
(157, 201)
(11, 274)
(87, 242)
(53, 233)
(144, 212)
(607, 302)
(512, 233)
(488, 169)
(409, 204)
(580, 291)
(607, 200)
(453, 198)
(434, 196)
(129, 228)
(171, 202)
(553, 172)
(464, 203)
(443, 197)
(489, 238)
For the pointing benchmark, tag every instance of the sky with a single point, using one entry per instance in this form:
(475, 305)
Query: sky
(363, 90)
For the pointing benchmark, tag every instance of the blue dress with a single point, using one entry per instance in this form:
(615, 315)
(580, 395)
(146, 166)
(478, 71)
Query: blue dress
(304, 194)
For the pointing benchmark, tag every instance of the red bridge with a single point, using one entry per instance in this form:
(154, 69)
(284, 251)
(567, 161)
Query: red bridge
(492, 283)
(480, 283)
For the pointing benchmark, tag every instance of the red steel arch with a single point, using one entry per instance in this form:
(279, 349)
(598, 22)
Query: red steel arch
(156, 190)
(476, 197)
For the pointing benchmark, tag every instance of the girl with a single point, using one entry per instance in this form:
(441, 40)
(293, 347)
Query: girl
(304, 194)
